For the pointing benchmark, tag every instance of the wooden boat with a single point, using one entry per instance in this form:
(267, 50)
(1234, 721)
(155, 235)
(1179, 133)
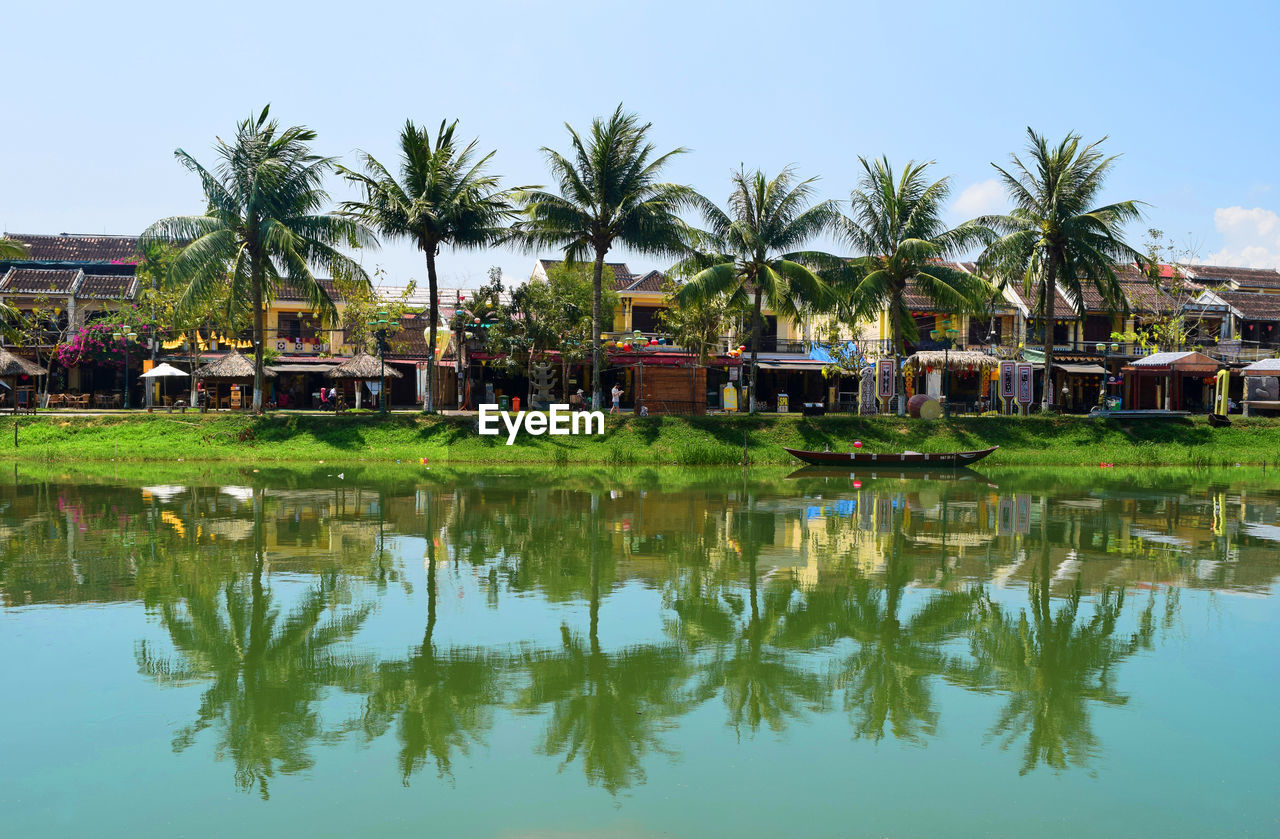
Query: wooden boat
(894, 459)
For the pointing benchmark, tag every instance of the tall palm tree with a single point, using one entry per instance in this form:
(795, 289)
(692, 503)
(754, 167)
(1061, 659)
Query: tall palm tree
(751, 252)
(263, 227)
(1055, 237)
(444, 196)
(896, 224)
(610, 194)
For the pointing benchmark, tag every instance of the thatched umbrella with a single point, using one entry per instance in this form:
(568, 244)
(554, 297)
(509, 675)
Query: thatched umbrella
(232, 367)
(13, 366)
(364, 368)
(953, 359)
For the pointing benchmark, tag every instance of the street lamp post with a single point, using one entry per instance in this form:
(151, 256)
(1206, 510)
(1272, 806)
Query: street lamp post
(380, 325)
(125, 335)
(949, 334)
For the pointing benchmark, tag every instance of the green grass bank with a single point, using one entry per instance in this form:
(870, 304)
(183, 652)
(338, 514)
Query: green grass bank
(633, 441)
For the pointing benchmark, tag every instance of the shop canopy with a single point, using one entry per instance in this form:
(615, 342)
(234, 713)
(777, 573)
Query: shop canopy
(1265, 367)
(801, 365)
(1179, 362)
(1082, 369)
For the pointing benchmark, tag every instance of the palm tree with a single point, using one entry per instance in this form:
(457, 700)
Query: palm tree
(444, 197)
(896, 223)
(12, 249)
(263, 227)
(609, 194)
(751, 252)
(1054, 237)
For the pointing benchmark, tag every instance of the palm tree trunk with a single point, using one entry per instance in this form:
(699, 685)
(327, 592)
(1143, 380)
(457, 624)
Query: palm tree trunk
(1050, 291)
(755, 352)
(259, 335)
(899, 377)
(597, 315)
(431, 572)
(429, 398)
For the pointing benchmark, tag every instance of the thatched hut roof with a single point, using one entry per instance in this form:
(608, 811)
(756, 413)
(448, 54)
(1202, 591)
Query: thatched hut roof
(362, 366)
(12, 366)
(233, 365)
(955, 360)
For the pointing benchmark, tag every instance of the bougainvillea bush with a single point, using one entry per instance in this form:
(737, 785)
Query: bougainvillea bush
(93, 344)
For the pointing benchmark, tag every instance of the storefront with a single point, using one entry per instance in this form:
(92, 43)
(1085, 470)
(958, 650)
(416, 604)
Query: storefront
(1170, 381)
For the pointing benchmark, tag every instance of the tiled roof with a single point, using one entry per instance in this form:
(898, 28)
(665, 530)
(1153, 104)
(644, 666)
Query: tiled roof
(1061, 306)
(108, 287)
(622, 275)
(1143, 296)
(649, 282)
(1243, 277)
(71, 247)
(289, 293)
(410, 340)
(1253, 305)
(40, 281)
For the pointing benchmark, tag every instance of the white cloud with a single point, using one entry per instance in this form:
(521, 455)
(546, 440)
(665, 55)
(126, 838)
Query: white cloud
(980, 199)
(1250, 238)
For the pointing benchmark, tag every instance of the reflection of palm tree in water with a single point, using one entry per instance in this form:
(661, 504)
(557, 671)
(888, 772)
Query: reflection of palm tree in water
(267, 673)
(607, 708)
(759, 682)
(441, 702)
(1052, 666)
(887, 679)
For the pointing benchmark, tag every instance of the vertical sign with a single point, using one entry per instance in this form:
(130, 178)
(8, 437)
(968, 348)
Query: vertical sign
(1008, 375)
(1024, 385)
(1005, 521)
(1022, 517)
(886, 381)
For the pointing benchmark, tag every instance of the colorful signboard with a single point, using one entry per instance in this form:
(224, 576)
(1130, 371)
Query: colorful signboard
(886, 380)
(1025, 384)
(1008, 375)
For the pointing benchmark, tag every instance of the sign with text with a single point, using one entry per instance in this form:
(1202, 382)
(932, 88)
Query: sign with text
(1008, 375)
(1025, 379)
(886, 381)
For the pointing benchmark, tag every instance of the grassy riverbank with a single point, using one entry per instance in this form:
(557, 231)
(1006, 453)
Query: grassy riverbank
(690, 441)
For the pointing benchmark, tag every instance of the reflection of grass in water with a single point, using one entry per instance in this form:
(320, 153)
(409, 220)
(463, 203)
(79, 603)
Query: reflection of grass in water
(783, 480)
(636, 440)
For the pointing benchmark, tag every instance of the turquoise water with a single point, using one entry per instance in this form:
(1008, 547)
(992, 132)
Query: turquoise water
(566, 653)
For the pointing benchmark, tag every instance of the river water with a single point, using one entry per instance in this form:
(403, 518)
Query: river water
(633, 653)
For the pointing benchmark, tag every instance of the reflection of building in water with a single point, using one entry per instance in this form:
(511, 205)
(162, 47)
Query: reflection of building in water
(71, 543)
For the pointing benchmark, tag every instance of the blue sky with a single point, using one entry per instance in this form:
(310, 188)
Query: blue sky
(99, 95)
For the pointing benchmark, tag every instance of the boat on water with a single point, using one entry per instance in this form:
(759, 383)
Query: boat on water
(895, 459)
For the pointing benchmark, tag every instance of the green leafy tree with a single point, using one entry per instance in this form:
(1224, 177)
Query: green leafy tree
(444, 196)
(895, 223)
(610, 194)
(569, 311)
(363, 304)
(263, 226)
(1055, 237)
(698, 326)
(472, 323)
(752, 252)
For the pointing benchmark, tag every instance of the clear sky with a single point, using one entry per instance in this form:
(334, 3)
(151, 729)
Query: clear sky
(98, 95)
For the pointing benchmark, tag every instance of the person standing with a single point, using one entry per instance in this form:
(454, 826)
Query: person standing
(617, 400)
